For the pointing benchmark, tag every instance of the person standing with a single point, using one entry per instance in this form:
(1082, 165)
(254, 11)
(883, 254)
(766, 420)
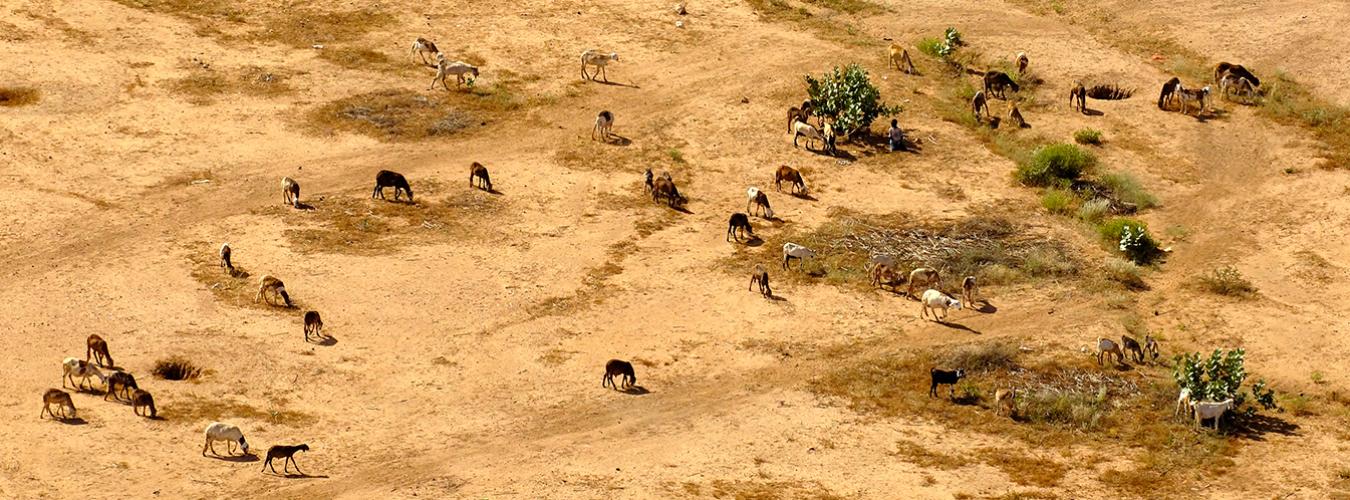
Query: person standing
(896, 137)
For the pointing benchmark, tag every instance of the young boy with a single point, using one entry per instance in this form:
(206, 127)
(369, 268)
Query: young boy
(897, 137)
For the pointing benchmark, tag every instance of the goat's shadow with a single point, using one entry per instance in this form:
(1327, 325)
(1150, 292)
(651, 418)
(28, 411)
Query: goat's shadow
(72, 421)
(240, 274)
(1092, 112)
(804, 196)
(681, 209)
(246, 458)
(1123, 367)
(966, 400)
(957, 326)
(985, 307)
(324, 340)
(618, 140)
(753, 241)
(636, 390)
(617, 84)
(775, 298)
(400, 202)
(1257, 426)
(304, 206)
(301, 475)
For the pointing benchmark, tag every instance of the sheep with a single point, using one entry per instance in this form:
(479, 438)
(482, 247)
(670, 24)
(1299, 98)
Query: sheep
(995, 82)
(120, 384)
(1210, 409)
(968, 290)
(313, 325)
(1131, 346)
(1005, 400)
(1022, 62)
(980, 102)
(73, 367)
(285, 452)
(219, 431)
(385, 178)
(800, 129)
(883, 274)
(1078, 97)
(926, 276)
(59, 398)
(604, 123)
(757, 198)
(1151, 346)
(795, 251)
(934, 300)
(225, 259)
(445, 68)
(97, 348)
(477, 170)
(290, 192)
(739, 222)
(1184, 401)
(760, 277)
(1198, 96)
(900, 58)
(786, 173)
(1169, 92)
(422, 47)
(1106, 347)
(275, 286)
(663, 187)
(1015, 117)
(618, 367)
(944, 377)
(141, 399)
(600, 60)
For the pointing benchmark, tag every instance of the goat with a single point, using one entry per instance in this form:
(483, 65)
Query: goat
(1184, 401)
(422, 47)
(290, 192)
(663, 187)
(786, 173)
(648, 179)
(739, 222)
(827, 132)
(616, 367)
(141, 399)
(59, 398)
(795, 115)
(600, 60)
(1015, 117)
(995, 82)
(1236, 70)
(928, 276)
(944, 377)
(275, 286)
(757, 199)
(604, 122)
(225, 259)
(120, 384)
(1210, 409)
(1005, 399)
(479, 171)
(934, 300)
(1169, 92)
(285, 452)
(1232, 83)
(884, 274)
(1151, 346)
(386, 178)
(900, 58)
(968, 290)
(445, 68)
(800, 129)
(1106, 347)
(760, 277)
(219, 431)
(1131, 346)
(97, 348)
(313, 325)
(979, 102)
(74, 367)
(1188, 95)
(1022, 62)
(795, 251)
(1078, 97)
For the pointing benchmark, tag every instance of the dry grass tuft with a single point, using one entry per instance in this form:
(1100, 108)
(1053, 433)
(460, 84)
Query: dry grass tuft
(362, 58)
(760, 490)
(394, 115)
(199, 408)
(1025, 470)
(204, 83)
(176, 368)
(1227, 281)
(13, 97)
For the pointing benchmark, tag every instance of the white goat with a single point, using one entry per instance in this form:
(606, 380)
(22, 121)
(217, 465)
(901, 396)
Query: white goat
(756, 198)
(795, 251)
(598, 59)
(445, 68)
(800, 129)
(75, 367)
(422, 47)
(1210, 409)
(604, 123)
(922, 275)
(218, 431)
(1183, 401)
(934, 300)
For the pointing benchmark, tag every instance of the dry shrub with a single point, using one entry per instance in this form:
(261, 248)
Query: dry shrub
(198, 408)
(361, 58)
(1227, 281)
(982, 358)
(402, 115)
(1025, 470)
(176, 368)
(204, 83)
(13, 97)
(760, 490)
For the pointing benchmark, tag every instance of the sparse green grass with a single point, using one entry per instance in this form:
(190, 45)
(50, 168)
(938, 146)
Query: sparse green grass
(1227, 281)
(1094, 211)
(1124, 272)
(1056, 165)
(1289, 103)
(930, 46)
(1125, 187)
(1088, 136)
(1318, 378)
(12, 97)
(1059, 201)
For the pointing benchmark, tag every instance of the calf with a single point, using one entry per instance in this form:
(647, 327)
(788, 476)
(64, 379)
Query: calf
(622, 368)
(739, 222)
(945, 377)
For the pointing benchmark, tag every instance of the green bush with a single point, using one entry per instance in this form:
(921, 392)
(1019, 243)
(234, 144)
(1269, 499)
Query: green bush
(1219, 378)
(1111, 229)
(1059, 201)
(1088, 136)
(848, 97)
(1056, 165)
(1131, 237)
(1126, 188)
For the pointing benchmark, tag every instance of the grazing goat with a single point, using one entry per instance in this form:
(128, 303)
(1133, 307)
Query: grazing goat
(290, 192)
(313, 325)
(1151, 346)
(827, 131)
(1015, 117)
(663, 187)
(1005, 400)
(1184, 401)
(1232, 83)
(386, 178)
(141, 399)
(795, 115)
(968, 290)
(120, 384)
(900, 58)
(218, 431)
(59, 398)
(1022, 62)
(786, 173)
(739, 222)
(795, 251)
(422, 47)
(598, 59)
(924, 275)
(445, 68)
(979, 102)
(995, 82)
(1131, 346)
(74, 367)
(1169, 92)
(757, 199)
(884, 274)
(479, 171)
(225, 259)
(1197, 95)
(604, 123)
(268, 283)
(285, 452)
(800, 129)
(1078, 97)
(97, 348)
(1210, 409)
(940, 377)
(1106, 347)
(617, 367)
(1236, 70)
(760, 277)
(934, 300)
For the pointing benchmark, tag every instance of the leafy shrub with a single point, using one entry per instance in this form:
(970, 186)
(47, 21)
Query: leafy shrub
(930, 46)
(1227, 281)
(848, 97)
(1088, 136)
(1058, 201)
(1055, 165)
(1219, 378)
(1131, 236)
(1126, 188)
(1094, 210)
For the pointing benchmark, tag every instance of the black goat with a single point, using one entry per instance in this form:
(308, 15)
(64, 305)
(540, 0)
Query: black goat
(741, 222)
(395, 180)
(283, 451)
(313, 325)
(945, 377)
(996, 81)
(617, 367)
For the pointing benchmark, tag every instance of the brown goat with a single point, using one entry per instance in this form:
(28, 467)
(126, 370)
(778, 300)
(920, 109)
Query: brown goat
(1078, 97)
(97, 348)
(883, 275)
(665, 188)
(619, 368)
(786, 173)
(141, 399)
(313, 325)
(968, 291)
(761, 277)
(59, 398)
(477, 170)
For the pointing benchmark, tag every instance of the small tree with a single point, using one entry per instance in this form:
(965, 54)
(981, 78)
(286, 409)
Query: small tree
(1220, 377)
(847, 97)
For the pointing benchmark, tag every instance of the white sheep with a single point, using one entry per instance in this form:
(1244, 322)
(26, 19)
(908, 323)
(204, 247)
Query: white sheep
(795, 251)
(934, 300)
(1183, 401)
(218, 431)
(75, 367)
(757, 198)
(600, 60)
(1210, 409)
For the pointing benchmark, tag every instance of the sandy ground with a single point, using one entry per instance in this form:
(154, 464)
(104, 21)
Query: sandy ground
(467, 353)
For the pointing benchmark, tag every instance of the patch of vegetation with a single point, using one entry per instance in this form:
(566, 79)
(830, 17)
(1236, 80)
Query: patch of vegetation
(1125, 272)
(1131, 237)
(1057, 165)
(198, 408)
(1227, 281)
(760, 490)
(359, 58)
(828, 20)
(1094, 211)
(299, 26)
(1059, 201)
(1025, 470)
(930, 46)
(13, 97)
(1219, 378)
(176, 368)
(917, 454)
(204, 83)
(983, 357)
(848, 97)
(1289, 103)
(1088, 136)
(394, 115)
(1126, 188)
